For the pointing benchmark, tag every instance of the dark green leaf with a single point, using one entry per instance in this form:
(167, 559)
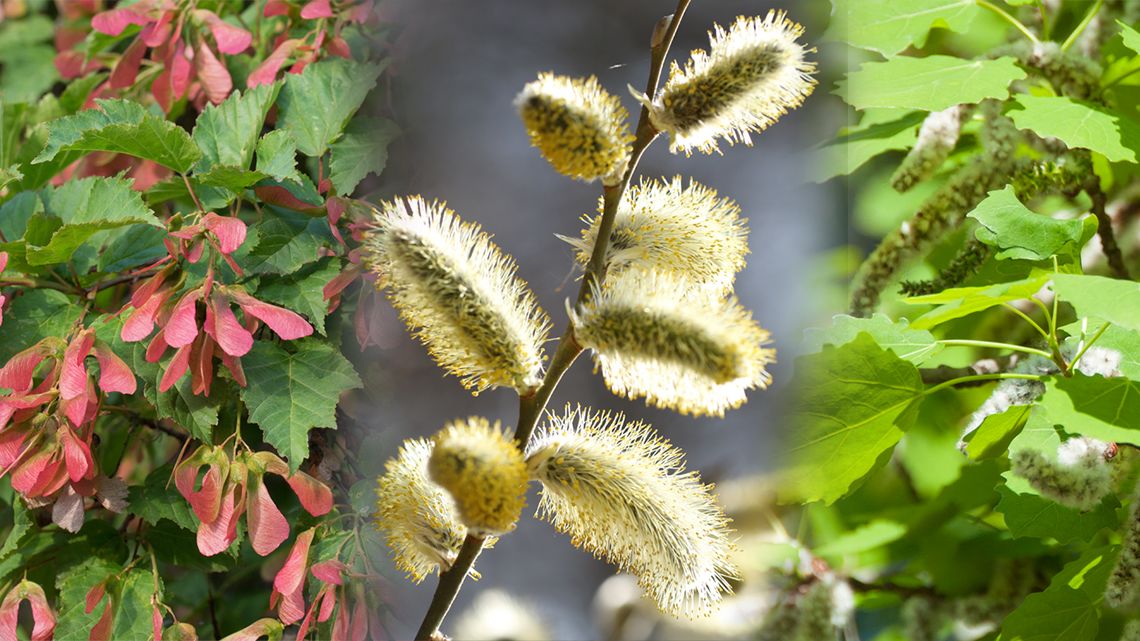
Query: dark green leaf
(277, 155)
(153, 501)
(287, 243)
(33, 315)
(361, 151)
(1028, 514)
(227, 133)
(316, 104)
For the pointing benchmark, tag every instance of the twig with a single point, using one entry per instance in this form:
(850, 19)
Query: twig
(901, 590)
(1107, 236)
(944, 373)
(533, 404)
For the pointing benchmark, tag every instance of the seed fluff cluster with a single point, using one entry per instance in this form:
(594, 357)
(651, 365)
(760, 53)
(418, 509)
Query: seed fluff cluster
(458, 293)
(579, 127)
(621, 492)
(665, 227)
(753, 73)
(1079, 477)
(484, 472)
(423, 530)
(690, 353)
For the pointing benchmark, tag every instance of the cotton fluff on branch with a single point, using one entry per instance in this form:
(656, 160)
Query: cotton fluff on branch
(459, 294)
(691, 354)
(423, 530)
(1079, 477)
(579, 127)
(484, 472)
(753, 73)
(664, 227)
(621, 491)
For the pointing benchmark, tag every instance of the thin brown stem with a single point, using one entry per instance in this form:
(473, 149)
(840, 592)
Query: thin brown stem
(531, 405)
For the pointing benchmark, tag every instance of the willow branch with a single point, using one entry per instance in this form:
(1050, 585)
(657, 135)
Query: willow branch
(531, 405)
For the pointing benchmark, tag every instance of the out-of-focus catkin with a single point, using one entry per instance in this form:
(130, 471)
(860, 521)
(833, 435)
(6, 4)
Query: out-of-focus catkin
(1123, 587)
(694, 355)
(484, 472)
(1078, 478)
(621, 491)
(753, 73)
(458, 293)
(664, 227)
(579, 127)
(423, 531)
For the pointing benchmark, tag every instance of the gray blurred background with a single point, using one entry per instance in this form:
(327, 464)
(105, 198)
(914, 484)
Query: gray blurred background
(458, 65)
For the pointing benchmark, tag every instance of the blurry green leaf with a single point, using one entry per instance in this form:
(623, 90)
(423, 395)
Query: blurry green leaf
(316, 104)
(889, 26)
(153, 501)
(1103, 408)
(1130, 35)
(963, 301)
(932, 83)
(1080, 124)
(137, 245)
(847, 153)
(1021, 234)
(1028, 514)
(1068, 609)
(907, 343)
(867, 537)
(73, 621)
(1110, 299)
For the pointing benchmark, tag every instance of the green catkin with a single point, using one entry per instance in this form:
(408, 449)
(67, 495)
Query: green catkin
(1071, 73)
(1123, 588)
(936, 139)
(965, 264)
(921, 620)
(941, 212)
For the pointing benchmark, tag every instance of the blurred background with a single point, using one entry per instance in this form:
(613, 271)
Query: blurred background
(456, 69)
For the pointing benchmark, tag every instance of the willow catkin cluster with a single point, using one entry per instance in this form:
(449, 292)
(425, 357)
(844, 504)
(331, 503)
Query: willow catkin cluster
(665, 227)
(936, 139)
(483, 471)
(621, 492)
(691, 354)
(753, 73)
(1078, 478)
(423, 530)
(579, 127)
(458, 293)
(1123, 587)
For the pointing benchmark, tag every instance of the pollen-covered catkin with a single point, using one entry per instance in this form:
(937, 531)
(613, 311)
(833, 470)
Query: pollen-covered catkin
(936, 139)
(693, 355)
(579, 127)
(458, 293)
(664, 227)
(479, 465)
(621, 492)
(1123, 587)
(753, 73)
(1079, 477)
(423, 530)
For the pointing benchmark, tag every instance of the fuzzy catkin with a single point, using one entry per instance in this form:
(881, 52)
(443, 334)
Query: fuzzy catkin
(1079, 477)
(483, 471)
(692, 355)
(621, 492)
(458, 293)
(423, 531)
(1123, 587)
(579, 127)
(753, 73)
(921, 620)
(687, 232)
(936, 139)
(815, 610)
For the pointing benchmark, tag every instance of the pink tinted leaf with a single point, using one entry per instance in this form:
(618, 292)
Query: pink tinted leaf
(286, 324)
(150, 289)
(11, 444)
(114, 373)
(127, 69)
(266, 72)
(260, 628)
(339, 282)
(230, 39)
(317, 9)
(359, 624)
(233, 364)
(329, 571)
(206, 502)
(156, 33)
(76, 454)
(234, 339)
(276, 8)
(156, 622)
(277, 195)
(102, 629)
(178, 367)
(17, 373)
(291, 576)
(9, 615)
(340, 627)
(73, 379)
(94, 596)
(268, 528)
(315, 496)
(140, 323)
(113, 22)
(182, 328)
(42, 615)
(196, 250)
(229, 231)
(303, 629)
(338, 47)
(213, 75)
(328, 603)
(214, 537)
(3, 261)
(156, 348)
(80, 408)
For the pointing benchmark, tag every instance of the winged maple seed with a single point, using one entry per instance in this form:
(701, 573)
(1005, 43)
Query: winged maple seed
(43, 617)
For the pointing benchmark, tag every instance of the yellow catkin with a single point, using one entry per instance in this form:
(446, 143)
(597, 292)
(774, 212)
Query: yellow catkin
(753, 73)
(484, 471)
(423, 530)
(665, 227)
(458, 293)
(687, 353)
(579, 127)
(620, 491)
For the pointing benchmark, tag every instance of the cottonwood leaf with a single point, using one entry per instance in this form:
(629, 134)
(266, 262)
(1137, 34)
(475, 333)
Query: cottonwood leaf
(1103, 408)
(847, 153)
(914, 345)
(227, 133)
(292, 392)
(864, 538)
(316, 104)
(932, 83)
(1114, 300)
(889, 26)
(1080, 124)
(997, 431)
(361, 151)
(1028, 514)
(1068, 609)
(1125, 342)
(124, 127)
(962, 301)
(852, 406)
(1019, 233)
(1130, 36)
